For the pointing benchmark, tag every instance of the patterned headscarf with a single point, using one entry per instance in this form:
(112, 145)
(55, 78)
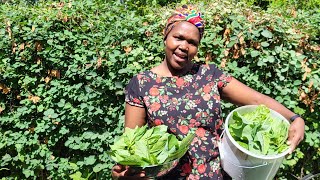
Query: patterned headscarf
(185, 14)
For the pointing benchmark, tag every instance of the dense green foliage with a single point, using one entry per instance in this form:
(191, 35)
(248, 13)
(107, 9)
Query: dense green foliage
(63, 67)
(299, 4)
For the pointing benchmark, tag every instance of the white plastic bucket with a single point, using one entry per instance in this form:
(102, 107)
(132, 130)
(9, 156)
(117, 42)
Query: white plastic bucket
(240, 163)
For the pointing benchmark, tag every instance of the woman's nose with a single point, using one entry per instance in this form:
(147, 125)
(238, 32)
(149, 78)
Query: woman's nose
(184, 46)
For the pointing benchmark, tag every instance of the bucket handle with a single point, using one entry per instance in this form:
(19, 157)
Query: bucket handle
(247, 167)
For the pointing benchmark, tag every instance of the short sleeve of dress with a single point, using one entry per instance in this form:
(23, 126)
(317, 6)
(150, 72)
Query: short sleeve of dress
(132, 93)
(220, 76)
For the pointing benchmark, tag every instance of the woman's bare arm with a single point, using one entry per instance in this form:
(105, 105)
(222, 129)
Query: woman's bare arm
(134, 116)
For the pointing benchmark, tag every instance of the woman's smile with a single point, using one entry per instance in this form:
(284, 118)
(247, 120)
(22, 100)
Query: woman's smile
(181, 57)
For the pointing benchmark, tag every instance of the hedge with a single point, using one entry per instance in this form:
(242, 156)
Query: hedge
(63, 67)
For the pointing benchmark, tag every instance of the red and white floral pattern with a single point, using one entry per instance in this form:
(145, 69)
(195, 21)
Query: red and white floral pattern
(191, 101)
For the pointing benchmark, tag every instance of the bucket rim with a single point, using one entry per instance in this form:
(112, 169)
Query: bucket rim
(265, 157)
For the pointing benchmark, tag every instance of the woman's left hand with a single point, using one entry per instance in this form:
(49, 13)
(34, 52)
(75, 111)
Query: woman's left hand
(296, 133)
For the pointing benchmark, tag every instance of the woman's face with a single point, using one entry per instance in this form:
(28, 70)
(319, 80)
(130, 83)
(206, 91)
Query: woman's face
(181, 45)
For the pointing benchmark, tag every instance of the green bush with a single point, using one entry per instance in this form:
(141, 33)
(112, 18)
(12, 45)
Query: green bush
(63, 67)
(298, 4)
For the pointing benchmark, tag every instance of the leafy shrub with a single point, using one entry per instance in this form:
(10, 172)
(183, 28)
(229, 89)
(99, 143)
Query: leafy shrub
(63, 67)
(299, 4)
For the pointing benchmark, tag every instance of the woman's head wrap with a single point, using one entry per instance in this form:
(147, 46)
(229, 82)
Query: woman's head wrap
(185, 14)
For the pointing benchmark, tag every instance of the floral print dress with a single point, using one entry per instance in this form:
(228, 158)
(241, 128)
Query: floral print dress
(183, 103)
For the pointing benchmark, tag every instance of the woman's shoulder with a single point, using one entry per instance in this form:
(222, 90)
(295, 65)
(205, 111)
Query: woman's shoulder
(142, 76)
(207, 68)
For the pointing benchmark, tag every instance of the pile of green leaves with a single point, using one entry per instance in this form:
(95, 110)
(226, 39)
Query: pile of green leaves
(144, 147)
(259, 132)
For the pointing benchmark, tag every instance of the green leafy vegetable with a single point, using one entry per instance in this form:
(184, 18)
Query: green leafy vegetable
(259, 132)
(144, 147)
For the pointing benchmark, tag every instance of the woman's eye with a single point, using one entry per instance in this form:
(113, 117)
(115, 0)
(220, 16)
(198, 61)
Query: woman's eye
(193, 43)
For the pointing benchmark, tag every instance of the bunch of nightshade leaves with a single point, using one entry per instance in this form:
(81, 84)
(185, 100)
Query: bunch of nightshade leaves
(143, 146)
(259, 132)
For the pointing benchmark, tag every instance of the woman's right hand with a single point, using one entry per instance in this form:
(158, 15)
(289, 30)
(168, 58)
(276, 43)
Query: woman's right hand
(125, 172)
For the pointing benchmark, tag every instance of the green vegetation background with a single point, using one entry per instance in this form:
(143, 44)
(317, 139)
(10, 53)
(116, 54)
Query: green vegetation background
(63, 67)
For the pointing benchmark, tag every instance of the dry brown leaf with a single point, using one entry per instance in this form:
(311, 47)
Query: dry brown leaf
(226, 52)
(99, 62)
(38, 46)
(5, 89)
(310, 98)
(85, 42)
(145, 23)
(33, 28)
(310, 85)
(256, 45)
(65, 18)
(148, 33)
(293, 13)
(312, 108)
(59, 14)
(243, 51)
(8, 23)
(55, 122)
(236, 54)
(55, 73)
(45, 140)
(60, 5)
(216, 17)
(1, 109)
(209, 57)
(38, 60)
(21, 48)
(302, 96)
(8, 29)
(127, 49)
(47, 80)
(308, 70)
(226, 33)
(34, 99)
(31, 129)
(226, 42)
(196, 59)
(304, 76)
(250, 18)
(235, 46)
(241, 40)
(270, 28)
(223, 63)
(14, 45)
(18, 97)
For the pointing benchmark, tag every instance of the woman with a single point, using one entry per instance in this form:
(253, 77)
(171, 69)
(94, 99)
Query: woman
(183, 95)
